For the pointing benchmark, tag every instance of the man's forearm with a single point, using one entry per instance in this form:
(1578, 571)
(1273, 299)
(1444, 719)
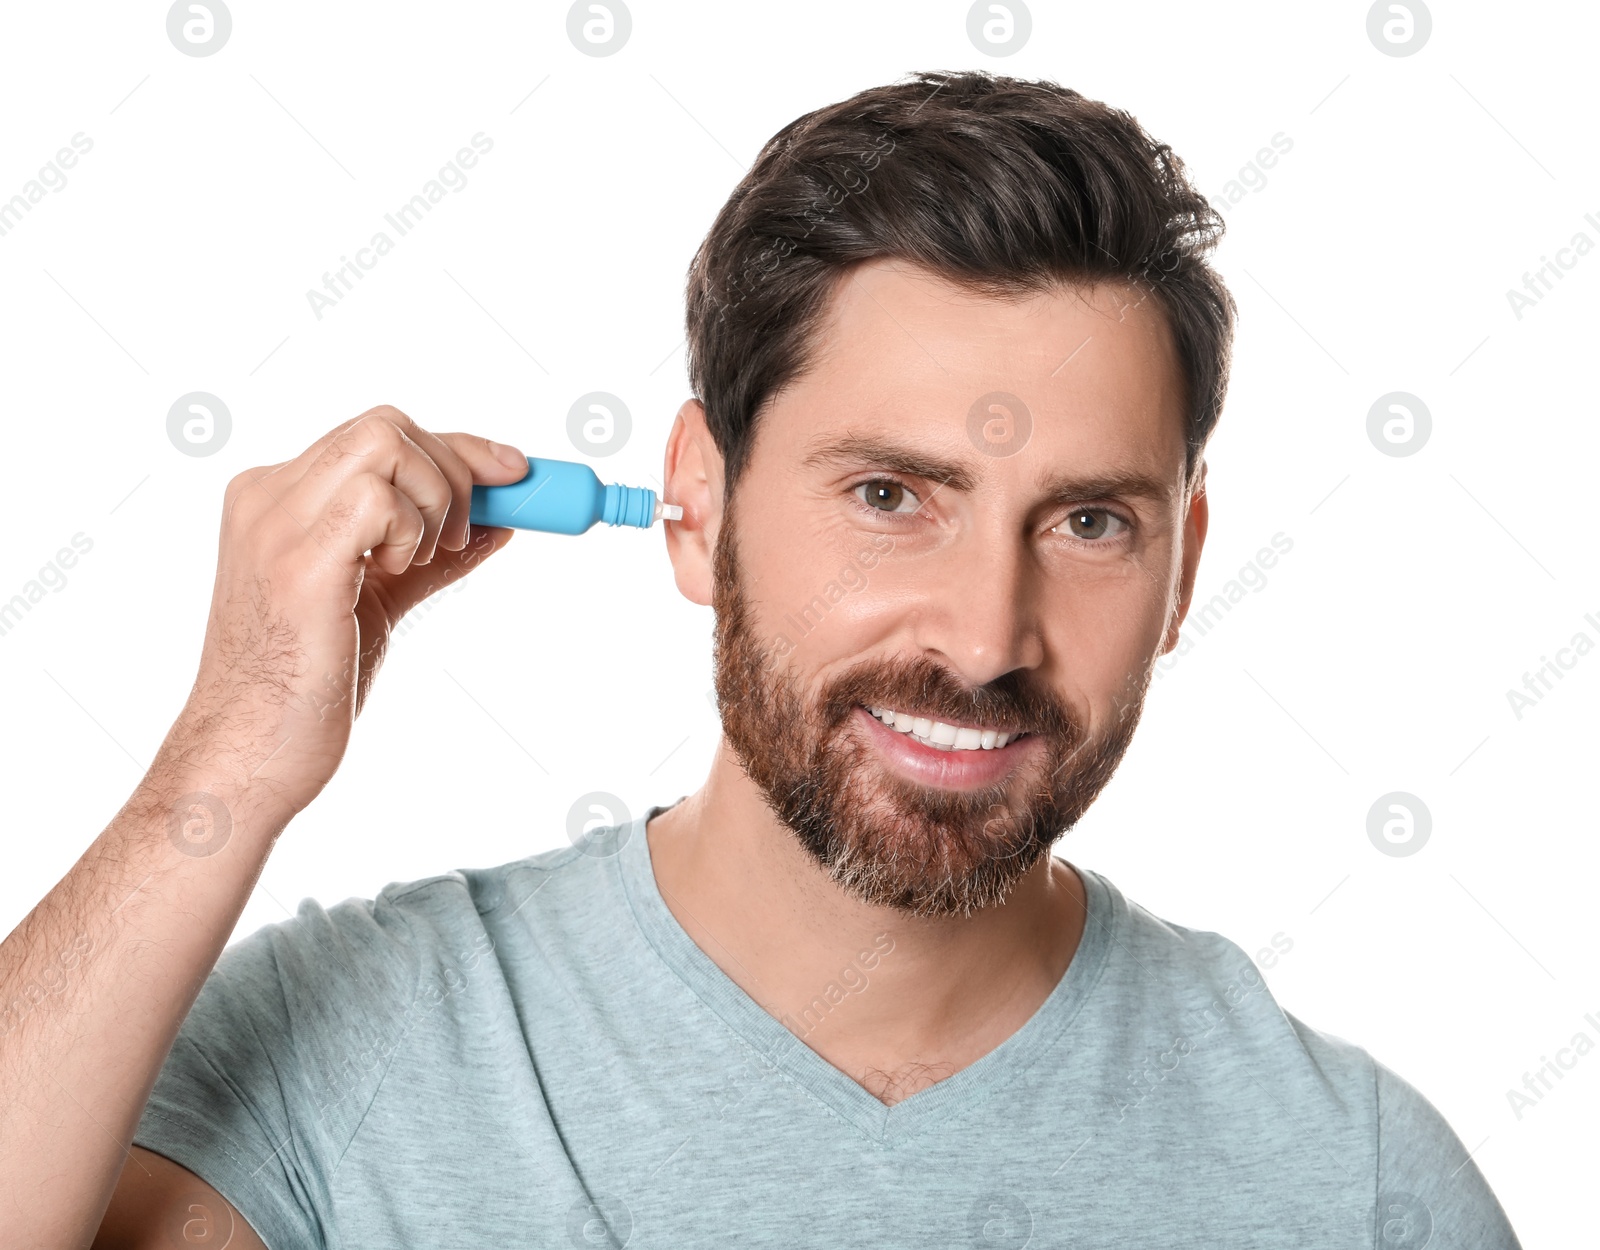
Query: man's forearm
(96, 980)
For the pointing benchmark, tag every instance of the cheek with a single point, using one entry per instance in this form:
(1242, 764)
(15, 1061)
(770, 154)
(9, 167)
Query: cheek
(1106, 624)
(822, 590)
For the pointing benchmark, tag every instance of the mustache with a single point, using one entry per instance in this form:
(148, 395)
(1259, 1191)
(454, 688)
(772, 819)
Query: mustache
(1012, 701)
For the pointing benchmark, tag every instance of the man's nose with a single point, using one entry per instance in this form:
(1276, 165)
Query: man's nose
(979, 606)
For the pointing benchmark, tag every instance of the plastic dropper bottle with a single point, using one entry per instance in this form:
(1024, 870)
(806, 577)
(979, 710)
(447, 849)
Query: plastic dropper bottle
(564, 497)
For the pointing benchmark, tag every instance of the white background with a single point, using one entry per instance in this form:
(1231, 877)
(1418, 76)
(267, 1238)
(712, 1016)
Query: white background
(1377, 657)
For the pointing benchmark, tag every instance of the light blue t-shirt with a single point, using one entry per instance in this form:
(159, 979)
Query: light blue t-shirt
(537, 1055)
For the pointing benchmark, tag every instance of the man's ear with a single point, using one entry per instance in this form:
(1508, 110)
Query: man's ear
(692, 478)
(1195, 522)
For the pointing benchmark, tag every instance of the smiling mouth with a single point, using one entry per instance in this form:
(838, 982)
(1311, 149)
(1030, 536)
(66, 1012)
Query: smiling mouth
(942, 735)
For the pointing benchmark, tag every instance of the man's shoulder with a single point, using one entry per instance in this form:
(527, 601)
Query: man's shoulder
(1214, 996)
(487, 890)
(1201, 1051)
(401, 931)
(574, 869)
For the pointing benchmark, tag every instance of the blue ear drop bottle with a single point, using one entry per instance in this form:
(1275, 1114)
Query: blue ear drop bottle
(564, 497)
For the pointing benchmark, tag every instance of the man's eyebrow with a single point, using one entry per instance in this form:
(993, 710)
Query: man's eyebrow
(1129, 484)
(883, 453)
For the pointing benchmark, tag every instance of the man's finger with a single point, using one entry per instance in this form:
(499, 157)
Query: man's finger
(492, 464)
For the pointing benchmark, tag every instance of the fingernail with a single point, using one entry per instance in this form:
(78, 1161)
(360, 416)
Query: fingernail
(508, 456)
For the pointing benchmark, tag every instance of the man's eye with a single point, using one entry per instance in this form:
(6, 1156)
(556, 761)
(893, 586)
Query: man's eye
(887, 496)
(1092, 524)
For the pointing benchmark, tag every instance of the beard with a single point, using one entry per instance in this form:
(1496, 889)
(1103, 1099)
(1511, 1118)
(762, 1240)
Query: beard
(883, 838)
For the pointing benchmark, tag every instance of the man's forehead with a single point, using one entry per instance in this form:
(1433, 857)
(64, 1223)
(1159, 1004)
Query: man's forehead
(908, 369)
(900, 338)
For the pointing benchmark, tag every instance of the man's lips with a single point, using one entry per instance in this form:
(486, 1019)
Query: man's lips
(942, 734)
(946, 769)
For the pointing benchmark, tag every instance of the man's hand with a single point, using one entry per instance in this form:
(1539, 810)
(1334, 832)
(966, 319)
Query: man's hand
(319, 557)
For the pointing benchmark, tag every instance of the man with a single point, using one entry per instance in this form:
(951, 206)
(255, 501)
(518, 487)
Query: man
(957, 353)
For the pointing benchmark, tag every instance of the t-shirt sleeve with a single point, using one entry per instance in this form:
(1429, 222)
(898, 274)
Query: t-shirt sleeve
(1430, 1193)
(278, 1059)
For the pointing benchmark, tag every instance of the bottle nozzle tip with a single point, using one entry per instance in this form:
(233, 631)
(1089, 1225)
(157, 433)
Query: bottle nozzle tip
(670, 511)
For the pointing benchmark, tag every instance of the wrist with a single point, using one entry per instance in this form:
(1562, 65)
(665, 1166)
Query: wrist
(205, 788)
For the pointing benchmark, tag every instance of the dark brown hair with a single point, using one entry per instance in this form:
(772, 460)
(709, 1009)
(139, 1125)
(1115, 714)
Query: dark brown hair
(1001, 185)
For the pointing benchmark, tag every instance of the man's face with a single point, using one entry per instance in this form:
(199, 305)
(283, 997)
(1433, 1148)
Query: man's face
(897, 545)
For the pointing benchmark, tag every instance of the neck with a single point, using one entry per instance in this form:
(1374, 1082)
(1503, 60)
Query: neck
(905, 1001)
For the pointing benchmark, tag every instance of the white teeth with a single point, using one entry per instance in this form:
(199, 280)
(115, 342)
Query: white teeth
(941, 735)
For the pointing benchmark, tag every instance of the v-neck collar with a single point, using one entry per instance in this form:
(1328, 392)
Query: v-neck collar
(970, 1087)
